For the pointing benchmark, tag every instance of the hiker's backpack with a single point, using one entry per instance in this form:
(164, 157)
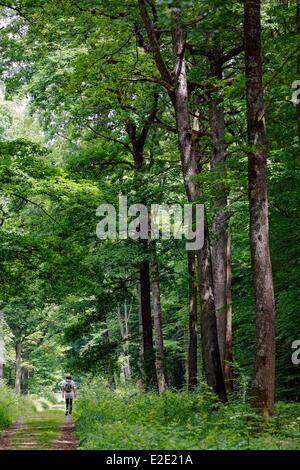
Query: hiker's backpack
(68, 386)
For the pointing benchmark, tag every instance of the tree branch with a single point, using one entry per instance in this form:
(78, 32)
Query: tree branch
(155, 47)
(111, 139)
(24, 198)
(149, 120)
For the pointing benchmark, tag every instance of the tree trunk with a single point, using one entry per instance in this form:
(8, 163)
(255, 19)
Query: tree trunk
(2, 349)
(158, 333)
(124, 330)
(228, 376)
(176, 83)
(192, 347)
(298, 70)
(210, 348)
(2, 370)
(141, 341)
(24, 379)
(146, 323)
(220, 237)
(178, 373)
(264, 369)
(127, 369)
(18, 367)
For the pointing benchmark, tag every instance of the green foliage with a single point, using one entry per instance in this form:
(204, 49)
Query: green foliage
(128, 419)
(77, 76)
(13, 406)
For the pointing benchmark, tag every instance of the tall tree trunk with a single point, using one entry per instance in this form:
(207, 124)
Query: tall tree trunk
(2, 349)
(141, 341)
(210, 349)
(264, 369)
(228, 347)
(146, 323)
(18, 367)
(298, 70)
(158, 332)
(176, 83)
(192, 347)
(220, 236)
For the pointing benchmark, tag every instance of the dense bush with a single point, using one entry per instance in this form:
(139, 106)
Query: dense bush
(12, 406)
(128, 419)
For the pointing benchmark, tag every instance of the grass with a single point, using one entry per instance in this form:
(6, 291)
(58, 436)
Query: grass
(42, 419)
(129, 419)
(12, 406)
(125, 418)
(39, 430)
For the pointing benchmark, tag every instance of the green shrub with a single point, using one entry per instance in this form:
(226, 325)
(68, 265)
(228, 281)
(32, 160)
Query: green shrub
(128, 419)
(12, 406)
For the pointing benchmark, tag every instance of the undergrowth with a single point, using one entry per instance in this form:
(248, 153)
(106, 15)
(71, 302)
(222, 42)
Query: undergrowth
(12, 406)
(126, 418)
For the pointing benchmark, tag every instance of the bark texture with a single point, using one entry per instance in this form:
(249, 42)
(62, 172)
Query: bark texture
(149, 368)
(210, 348)
(228, 375)
(2, 349)
(264, 368)
(192, 347)
(298, 71)
(220, 229)
(158, 331)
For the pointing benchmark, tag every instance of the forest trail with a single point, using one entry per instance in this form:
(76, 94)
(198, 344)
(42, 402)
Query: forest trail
(45, 430)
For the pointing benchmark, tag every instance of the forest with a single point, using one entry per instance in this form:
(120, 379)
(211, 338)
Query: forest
(171, 103)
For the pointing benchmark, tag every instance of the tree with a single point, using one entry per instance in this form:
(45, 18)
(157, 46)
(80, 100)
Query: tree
(24, 319)
(2, 348)
(123, 319)
(298, 65)
(177, 86)
(264, 370)
(157, 315)
(119, 95)
(192, 351)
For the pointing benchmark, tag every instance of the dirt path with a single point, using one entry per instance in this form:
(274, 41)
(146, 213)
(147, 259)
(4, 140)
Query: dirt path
(45, 430)
(66, 439)
(8, 432)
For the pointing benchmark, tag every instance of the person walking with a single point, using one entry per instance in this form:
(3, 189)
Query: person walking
(68, 393)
